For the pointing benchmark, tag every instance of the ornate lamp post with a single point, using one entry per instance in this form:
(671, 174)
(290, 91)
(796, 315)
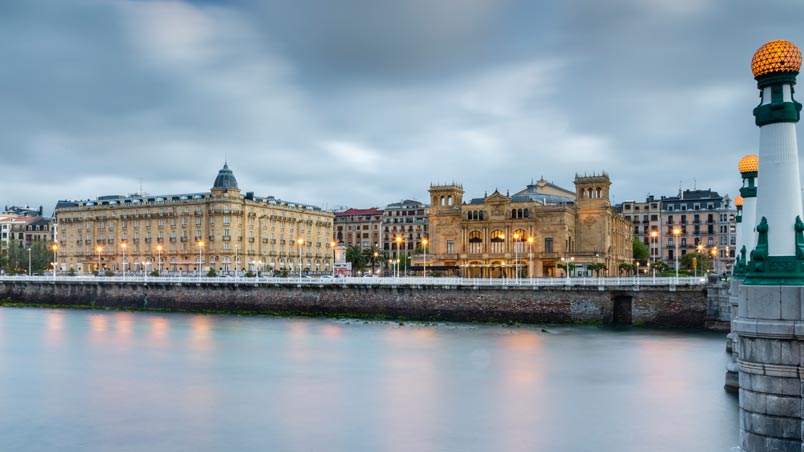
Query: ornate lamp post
(159, 258)
(29, 261)
(654, 234)
(531, 239)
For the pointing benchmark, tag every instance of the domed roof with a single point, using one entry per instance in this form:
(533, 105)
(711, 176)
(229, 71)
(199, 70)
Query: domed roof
(225, 178)
(749, 164)
(776, 56)
(738, 201)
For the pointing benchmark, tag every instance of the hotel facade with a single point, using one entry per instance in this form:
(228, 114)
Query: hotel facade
(221, 229)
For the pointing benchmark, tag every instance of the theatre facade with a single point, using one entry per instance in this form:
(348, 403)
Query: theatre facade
(527, 234)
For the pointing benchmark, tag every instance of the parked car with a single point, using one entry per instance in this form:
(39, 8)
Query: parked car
(368, 275)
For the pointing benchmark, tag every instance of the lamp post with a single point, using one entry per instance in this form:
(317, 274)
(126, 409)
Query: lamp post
(235, 262)
(398, 240)
(29, 261)
(332, 245)
(145, 265)
(654, 234)
(123, 246)
(567, 261)
(98, 250)
(530, 257)
(698, 257)
(516, 257)
(55, 258)
(714, 259)
(159, 258)
(200, 257)
(374, 262)
(300, 242)
(424, 244)
(676, 233)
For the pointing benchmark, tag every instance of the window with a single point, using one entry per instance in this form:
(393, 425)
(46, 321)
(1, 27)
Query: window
(450, 247)
(226, 219)
(497, 242)
(475, 242)
(548, 244)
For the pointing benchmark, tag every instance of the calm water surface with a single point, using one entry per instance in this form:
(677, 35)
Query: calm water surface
(117, 381)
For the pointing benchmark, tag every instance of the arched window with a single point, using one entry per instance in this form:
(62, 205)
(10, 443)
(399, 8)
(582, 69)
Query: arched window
(475, 242)
(497, 242)
(513, 213)
(526, 213)
(474, 215)
(519, 213)
(599, 192)
(469, 216)
(443, 201)
(449, 200)
(482, 215)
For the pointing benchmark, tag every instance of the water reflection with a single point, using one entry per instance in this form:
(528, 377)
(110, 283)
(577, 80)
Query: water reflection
(152, 382)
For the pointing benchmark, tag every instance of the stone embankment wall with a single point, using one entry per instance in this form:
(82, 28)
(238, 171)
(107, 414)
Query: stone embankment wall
(683, 307)
(718, 315)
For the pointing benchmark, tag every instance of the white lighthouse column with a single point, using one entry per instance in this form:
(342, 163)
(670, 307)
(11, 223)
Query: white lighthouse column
(769, 345)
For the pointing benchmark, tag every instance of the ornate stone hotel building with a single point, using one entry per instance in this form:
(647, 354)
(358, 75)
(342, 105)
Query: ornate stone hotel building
(532, 231)
(221, 229)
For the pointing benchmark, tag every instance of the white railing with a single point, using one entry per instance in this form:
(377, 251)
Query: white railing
(629, 281)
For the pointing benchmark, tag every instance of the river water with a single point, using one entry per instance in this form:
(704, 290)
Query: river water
(120, 381)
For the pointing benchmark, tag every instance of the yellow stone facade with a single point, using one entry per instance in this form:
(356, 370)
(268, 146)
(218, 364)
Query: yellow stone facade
(222, 229)
(532, 231)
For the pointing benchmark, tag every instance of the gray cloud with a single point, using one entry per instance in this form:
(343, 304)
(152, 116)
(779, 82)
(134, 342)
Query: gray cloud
(362, 103)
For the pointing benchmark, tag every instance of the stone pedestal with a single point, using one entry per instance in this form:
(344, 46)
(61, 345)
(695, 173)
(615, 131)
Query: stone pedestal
(732, 380)
(770, 332)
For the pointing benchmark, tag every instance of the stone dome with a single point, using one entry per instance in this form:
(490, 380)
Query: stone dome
(749, 164)
(738, 201)
(776, 56)
(225, 179)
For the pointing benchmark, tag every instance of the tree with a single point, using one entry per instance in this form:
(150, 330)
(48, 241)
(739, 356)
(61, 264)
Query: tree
(701, 259)
(627, 268)
(596, 267)
(661, 266)
(372, 256)
(563, 266)
(355, 256)
(641, 253)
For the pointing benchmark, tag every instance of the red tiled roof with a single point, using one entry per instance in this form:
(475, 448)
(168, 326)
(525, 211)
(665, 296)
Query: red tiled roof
(371, 211)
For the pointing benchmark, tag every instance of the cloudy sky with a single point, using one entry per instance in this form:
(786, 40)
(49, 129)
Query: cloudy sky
(363, 102)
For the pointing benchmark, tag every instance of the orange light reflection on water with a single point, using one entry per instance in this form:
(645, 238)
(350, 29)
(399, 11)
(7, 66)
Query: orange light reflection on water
(54, 327)
(200, 332)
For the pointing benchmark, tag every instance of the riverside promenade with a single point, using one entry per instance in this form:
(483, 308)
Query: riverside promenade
(667, 301)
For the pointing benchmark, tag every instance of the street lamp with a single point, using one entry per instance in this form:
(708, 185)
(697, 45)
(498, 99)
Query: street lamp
(200, 257)
(29, 261)
(123, 246)
(235, 262)
(300, 242)
(398, 240)
(714, 259)
(567, 261)
(374, 262)
(654, 234)
(516, 257)
(55, 258)
(530, 257)
(676, 233)
(332, 245)
(159, 258)
(99, 249)
(424, 244)
(698, 257)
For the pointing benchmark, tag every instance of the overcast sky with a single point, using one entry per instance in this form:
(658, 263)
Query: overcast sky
(363, 102)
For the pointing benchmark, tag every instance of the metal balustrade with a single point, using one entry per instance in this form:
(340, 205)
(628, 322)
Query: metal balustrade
(629, 281)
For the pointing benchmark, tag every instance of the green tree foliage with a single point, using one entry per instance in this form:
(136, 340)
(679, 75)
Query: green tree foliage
(626, 268)
(355, 256)
(372, 257)
(596, 267)
(702, 261)
(640, 250)
(15, 258)
(563, 266)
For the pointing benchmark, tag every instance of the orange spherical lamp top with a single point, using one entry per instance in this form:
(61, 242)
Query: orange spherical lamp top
(738, 201)
(749, 164)
(776, 56)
